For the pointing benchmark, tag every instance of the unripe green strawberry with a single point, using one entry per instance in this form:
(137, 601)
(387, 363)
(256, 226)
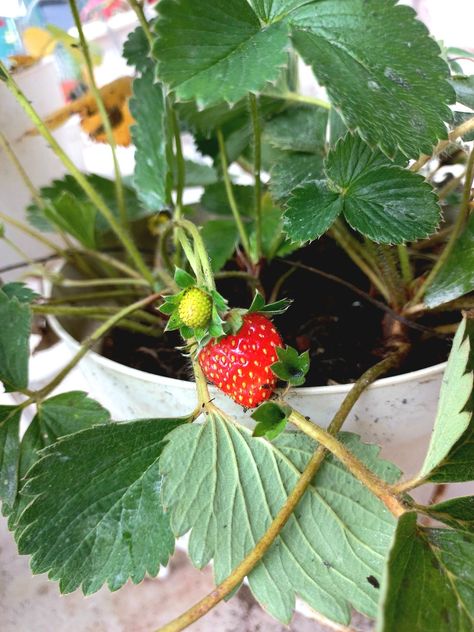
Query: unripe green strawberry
(195, 308)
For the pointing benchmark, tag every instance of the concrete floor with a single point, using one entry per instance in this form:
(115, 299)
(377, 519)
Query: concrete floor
(33, 604)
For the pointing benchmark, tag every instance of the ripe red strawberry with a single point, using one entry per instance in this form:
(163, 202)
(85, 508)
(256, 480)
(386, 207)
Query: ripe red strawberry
(239, 364)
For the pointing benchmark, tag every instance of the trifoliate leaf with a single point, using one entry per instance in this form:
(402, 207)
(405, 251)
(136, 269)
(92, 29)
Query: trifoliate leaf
(291, 367)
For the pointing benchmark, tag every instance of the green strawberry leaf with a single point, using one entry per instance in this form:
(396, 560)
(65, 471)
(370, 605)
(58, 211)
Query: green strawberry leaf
(9, 455)
(428, 580)
(379, 199)
(15, 327)
(216, 202)
(301, 129)
(136, 50)
(380, 68)
(291, 367)
(152, 178)
(292, 170)
(228, 494)
(464, 88)
(454, 412)
(457, 513)
(183, 279)
(456, 277)
(96, 514)
(202, 58)
(271, 419)
(20, 291)
(220, 238)
(74, 216)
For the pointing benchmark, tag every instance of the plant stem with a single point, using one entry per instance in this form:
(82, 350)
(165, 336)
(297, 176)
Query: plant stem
(230, 196)
(91, 340)
(462, 129)
(204, 398)
(119, 192)
(111, 261)
(224, 589)
(201, 251)
(457, 229)
(405, 266)
(89, 296)
(138, 8)
(28, 230)
(85, 185)
(257, 152)
(299, 98)
(180, 165)
(194, 261)
(99, 282)
(5, 145)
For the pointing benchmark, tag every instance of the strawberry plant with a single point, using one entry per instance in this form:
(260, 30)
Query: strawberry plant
(374, 175)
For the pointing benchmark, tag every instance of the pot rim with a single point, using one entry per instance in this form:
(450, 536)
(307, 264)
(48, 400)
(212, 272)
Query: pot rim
(418, 375)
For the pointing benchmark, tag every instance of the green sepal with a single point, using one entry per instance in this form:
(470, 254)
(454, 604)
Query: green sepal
(292, 367)
(219, 301)
(183, 279)
(186, 332)
(271, 420)
(272, 309)
(174, 322)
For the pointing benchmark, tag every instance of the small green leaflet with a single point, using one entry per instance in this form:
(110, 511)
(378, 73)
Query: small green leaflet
(226, 486)
(291, 367)
(457, 513)
(136, 50)
(15, 327)
(379, 199)
(183, 279)
(453, 416)
(428, 581)
(9, 455)
(271, 420)
(456, 277)
(216, 50)
(152, 179)
(96, 515)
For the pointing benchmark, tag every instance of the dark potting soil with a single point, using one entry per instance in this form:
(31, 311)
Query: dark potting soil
(343, 331)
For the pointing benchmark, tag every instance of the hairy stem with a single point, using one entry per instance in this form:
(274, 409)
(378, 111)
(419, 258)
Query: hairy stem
(119, 192)
(299, 98)
(257, 152)
(405, 265)
(457, 229)
(201, 252)
(224, 589)
(28, 230)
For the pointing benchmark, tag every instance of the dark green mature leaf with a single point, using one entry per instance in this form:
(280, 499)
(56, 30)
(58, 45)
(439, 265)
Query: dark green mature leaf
(136, 50)
(147, 106)
(301, 129)
(291, 366)
(462, 117)
(216, 50)
(215, 199)
(428, 581)
(199, 174)
(56, 417)
(20, 291)
(381, 200)
(228, 493)
(458, 513)
(269, 10)
(274, 241)
(454, 414)
(9, 454)
(271, 419)
(96, 515)
(74, 216)
(456, 277)
(464, 88)
(15, 327)
(220, 238)
(396, 95)
(293, 169)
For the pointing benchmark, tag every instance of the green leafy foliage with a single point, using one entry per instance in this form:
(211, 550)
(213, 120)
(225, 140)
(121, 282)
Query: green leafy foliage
(381, 70)
(301, 129)
(220, 238)
(225, 487)
(9, 455)
(136, 50)
(293, 169)
(183, 279)
(15, 326)
(74, 216)
(379, 199)
(56, 417)
(215, 200)
(96, 514)
(428, 580)
(151, 179)
(457, 513)
(258, 305)
(456, 277)
(203, 47)
(271, 420)
(464, 88)
(292, 366)
(454, 413)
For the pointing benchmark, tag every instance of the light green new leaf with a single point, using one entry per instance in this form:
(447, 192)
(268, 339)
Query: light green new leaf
(220, 238)
(225, 487)
(453, 415)
(147, 106)
(9, 454)
(217, 50)
(381, 70)
(15, 326)
(428, 582)
(456, 277)
(301, 129)
(74, 216)
(97, 516)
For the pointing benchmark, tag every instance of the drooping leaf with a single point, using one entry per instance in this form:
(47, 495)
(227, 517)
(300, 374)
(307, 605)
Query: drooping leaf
(428, 581)
(136, 50)
(74, 216)
(15, 327)
(381, 200)
(96, 515)
(293, 169)
(9, 455)
(301, 129)
(216, 50)
(456, 277)
(464, 88)
(454, 414)
(151, 178)
(220, 238)
(396, 95)
(226, 487)
(458, 513)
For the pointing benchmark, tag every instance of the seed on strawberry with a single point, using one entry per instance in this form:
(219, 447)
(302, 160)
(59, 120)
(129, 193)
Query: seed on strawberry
(239, 365)
(195, 308)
